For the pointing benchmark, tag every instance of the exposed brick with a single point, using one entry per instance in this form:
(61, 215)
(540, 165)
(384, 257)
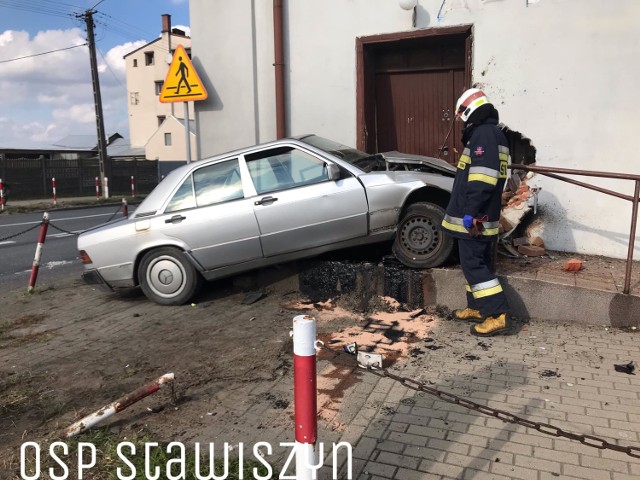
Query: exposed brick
(531, 250)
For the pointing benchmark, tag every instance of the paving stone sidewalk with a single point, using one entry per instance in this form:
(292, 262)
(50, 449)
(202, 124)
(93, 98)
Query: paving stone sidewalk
(561, 374)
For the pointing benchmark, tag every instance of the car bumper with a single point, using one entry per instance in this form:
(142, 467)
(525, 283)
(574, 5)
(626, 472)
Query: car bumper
(93, 277)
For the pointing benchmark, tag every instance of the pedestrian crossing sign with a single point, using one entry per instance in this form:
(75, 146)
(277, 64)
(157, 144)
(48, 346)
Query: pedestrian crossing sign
(182, 83)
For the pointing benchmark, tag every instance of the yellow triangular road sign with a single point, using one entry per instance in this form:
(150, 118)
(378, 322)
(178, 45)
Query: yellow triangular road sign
(182, 83)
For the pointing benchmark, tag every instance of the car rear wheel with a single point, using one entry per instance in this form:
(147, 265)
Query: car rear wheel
(419, 241)
(167, 277)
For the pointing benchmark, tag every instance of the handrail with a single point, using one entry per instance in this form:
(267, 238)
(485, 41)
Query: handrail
(551, 173)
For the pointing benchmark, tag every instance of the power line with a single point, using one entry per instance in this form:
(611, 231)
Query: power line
(112, 72)
(41, 7)
(43, 53)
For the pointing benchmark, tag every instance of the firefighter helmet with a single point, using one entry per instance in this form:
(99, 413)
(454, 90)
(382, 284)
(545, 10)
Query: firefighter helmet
(469, 101)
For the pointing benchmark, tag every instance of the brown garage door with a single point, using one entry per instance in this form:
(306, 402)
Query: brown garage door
(414, 111)
(408, 84)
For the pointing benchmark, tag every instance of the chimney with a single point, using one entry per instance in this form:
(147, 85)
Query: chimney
(166, 23)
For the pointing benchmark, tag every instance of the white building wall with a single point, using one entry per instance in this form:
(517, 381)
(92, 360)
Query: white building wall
(560, 72)
(156, 149)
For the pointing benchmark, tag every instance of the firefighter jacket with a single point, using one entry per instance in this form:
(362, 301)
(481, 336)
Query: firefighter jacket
(480, 177)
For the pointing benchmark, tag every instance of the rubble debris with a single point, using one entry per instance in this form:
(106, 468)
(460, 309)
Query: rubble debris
(572, 265)
(531, 251)
(628, 368)
(536, 242)
(550, 373)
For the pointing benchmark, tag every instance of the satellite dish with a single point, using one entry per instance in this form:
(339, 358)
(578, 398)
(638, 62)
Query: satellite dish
(168, 58)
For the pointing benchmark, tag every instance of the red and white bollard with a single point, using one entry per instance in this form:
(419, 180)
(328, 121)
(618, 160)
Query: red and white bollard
(36, 260)
(125, 208)
(55, 197)
(305, 395)
(133, 188)
(2, 201)
(97, 188)
(117, 406)
(105, 187)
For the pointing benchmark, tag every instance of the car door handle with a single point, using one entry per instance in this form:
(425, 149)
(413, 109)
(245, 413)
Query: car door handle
(265, 200)
(175, 219)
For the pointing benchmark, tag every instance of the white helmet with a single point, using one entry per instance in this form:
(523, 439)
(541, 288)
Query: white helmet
(469, 101)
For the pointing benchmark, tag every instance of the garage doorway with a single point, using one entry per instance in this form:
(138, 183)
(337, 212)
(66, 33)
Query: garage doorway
(407, 87)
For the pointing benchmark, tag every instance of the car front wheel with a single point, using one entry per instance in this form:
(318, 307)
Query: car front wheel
(167, 277)
(419, 241)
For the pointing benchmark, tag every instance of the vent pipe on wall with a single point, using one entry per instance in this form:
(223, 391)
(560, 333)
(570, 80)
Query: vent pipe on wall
(279, 64)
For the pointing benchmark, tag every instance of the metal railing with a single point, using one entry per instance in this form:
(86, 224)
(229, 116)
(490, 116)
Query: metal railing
(552, 173)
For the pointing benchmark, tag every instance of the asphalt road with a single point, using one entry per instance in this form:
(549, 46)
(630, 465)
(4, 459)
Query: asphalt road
(59, 253)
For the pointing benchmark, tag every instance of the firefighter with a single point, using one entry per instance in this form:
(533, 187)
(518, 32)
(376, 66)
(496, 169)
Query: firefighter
(473, 213)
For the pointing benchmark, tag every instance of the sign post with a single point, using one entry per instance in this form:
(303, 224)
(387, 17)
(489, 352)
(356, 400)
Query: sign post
(183, 84)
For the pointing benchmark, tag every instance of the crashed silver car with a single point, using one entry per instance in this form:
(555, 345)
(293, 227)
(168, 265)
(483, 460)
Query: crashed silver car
(271, 203)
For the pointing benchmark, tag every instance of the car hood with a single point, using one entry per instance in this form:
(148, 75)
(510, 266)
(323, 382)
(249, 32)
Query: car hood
(431, 163)
(382, 178)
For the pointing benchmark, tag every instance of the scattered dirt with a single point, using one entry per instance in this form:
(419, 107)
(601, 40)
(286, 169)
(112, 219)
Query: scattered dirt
(68, 351)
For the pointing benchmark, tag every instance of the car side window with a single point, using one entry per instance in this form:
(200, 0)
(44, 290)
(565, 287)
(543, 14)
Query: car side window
(217, 183)
(283, 168)
(183, 198)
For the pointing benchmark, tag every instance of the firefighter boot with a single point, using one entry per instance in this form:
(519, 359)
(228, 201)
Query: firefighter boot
(492, 325)
(468, 314)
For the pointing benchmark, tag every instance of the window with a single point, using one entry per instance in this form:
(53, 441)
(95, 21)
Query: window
(134, 97)
(167, 139)
(135, 62)
(161, 118)
(283, 168)
(217, 183)
(183, 198)
(159, 85)
(148, 58)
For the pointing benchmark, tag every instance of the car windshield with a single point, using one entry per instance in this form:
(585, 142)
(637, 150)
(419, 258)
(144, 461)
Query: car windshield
(343, 152)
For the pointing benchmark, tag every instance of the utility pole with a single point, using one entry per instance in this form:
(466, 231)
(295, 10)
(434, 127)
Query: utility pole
(102, 143)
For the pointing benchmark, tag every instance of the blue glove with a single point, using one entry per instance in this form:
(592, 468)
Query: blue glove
(467, 221)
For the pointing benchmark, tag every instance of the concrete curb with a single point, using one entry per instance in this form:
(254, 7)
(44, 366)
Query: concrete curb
(540, 299)
(74, 207)
(528, 298)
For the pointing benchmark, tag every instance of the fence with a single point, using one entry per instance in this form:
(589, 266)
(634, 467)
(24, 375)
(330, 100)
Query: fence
(31, 177)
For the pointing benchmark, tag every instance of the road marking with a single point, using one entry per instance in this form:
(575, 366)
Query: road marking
(57, 220)
(61, 235)
(7, 242)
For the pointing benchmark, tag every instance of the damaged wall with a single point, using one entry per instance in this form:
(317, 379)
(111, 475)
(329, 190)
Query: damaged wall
(562, 73)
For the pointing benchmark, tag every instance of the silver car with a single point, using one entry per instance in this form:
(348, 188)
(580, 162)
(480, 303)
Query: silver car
(267, 204)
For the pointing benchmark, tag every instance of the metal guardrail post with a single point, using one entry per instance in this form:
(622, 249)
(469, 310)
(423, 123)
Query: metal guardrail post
(632, 237)
(551, 173)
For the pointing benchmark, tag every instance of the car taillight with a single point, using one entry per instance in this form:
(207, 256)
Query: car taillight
(84, 256)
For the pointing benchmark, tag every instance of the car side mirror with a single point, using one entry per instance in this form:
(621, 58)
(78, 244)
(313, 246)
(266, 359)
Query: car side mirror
(333, 171)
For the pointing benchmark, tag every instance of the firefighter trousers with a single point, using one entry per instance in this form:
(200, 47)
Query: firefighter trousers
(484, 292)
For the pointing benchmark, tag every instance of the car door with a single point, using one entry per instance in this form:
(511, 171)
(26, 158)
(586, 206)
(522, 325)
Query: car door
(298, 207)
(210, 214)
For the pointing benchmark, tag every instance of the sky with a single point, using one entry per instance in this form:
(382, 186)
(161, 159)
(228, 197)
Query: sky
(47, 97)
